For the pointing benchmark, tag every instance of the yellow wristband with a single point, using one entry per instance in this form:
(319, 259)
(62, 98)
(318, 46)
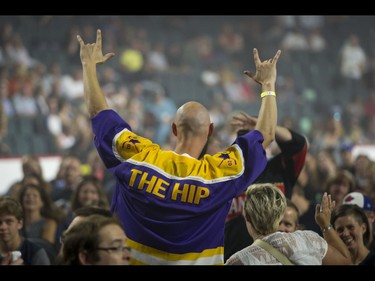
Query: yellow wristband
(267, 93)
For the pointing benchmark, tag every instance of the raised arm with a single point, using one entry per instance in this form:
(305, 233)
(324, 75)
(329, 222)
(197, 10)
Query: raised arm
(265, 75)
(91, 55)
(337, 253)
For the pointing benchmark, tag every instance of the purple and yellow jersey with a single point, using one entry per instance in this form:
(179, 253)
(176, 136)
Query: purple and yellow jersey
(173, 207)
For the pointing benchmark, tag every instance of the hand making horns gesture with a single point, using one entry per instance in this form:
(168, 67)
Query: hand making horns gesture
(265, 71)
(92, 53)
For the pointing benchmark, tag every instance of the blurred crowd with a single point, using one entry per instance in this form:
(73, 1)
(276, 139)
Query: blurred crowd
(326, 91)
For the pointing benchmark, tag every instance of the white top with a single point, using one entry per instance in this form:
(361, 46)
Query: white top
(301, 247)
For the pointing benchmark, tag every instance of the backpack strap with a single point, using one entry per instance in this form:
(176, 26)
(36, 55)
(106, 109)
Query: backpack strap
(273, 251)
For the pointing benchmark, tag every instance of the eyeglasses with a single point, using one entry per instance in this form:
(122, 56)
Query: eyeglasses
(118, 250)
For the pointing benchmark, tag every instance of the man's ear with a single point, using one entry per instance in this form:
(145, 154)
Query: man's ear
(364, 228)
(82, 257)
(174, 129)
(211, 129)
(20, 224)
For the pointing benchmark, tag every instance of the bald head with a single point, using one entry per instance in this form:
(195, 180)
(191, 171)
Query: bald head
(193, 118)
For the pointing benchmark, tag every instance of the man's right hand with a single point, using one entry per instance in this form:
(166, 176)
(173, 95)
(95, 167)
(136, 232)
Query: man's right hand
(7, 260)
(92, 53)
(243, 121)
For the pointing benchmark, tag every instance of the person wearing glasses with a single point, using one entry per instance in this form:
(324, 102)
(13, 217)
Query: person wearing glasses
(80, 215)
(97, 240)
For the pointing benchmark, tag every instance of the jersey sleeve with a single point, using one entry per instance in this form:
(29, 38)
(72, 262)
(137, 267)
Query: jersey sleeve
(106, 125)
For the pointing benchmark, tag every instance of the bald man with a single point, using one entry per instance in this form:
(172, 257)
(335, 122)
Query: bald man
(173, 204)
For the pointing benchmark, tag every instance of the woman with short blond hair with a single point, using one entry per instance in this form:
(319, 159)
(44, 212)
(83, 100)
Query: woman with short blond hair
(264, 208)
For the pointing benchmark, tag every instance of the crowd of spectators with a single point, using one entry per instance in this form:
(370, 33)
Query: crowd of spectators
(326, 86)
